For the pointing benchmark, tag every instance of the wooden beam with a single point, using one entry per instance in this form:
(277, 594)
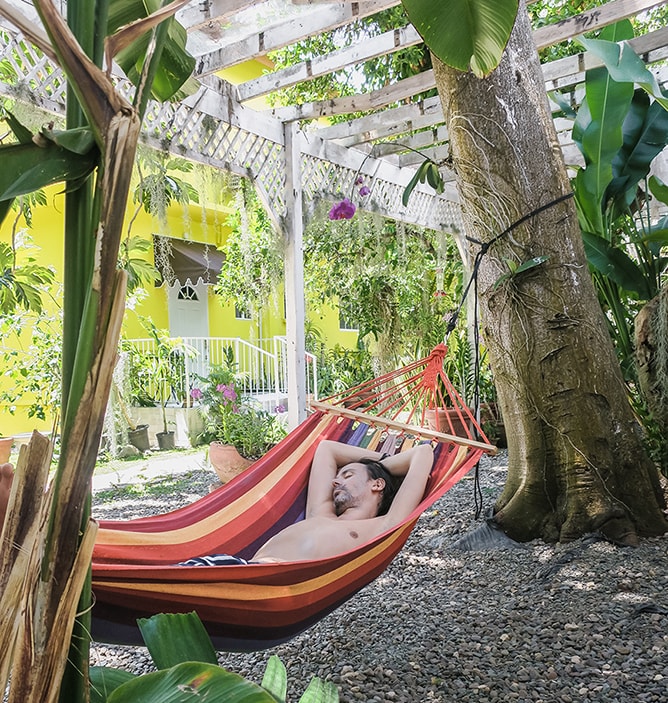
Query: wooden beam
(197, 14)
(377, 420)
(371, 48)
(588, 21)
(276, 37)
(396, 92)
(405, 113)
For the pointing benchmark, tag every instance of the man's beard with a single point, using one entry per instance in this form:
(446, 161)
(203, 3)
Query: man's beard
(341, 500)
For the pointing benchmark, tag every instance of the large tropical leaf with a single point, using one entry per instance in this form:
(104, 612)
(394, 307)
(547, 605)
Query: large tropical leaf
(173, 638)
(464, 34)
(645, 133)
(191, 682)
(176, 65)
(625, 65)
(29, 167)
(104, 680)
(616, 265)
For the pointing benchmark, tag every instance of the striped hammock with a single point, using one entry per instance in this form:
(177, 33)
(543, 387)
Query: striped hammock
(256, 606)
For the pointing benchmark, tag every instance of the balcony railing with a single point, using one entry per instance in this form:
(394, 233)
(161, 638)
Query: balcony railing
(261, 368)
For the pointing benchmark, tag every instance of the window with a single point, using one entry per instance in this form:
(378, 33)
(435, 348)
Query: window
(187, 293)
(241, 313)
(347, 319)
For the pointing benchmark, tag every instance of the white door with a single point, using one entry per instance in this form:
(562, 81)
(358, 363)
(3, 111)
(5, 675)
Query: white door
(189, 317)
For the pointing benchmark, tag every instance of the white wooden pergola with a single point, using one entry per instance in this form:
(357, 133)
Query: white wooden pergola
(292, 156)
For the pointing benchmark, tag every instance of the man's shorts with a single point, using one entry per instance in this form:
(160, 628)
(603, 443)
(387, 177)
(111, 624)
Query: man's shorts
(214, 560)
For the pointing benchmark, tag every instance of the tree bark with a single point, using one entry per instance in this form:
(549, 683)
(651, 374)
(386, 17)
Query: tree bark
(576, 458)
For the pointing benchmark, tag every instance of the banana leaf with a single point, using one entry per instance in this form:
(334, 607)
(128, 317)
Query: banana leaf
(191, 682)
(174, 638)
(176, 65)
(645, 133)
(464, 33)
(28, 167)
(104, 680)
(616, 265)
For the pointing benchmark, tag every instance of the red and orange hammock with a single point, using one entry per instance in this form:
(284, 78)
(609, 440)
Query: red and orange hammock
(255, 606)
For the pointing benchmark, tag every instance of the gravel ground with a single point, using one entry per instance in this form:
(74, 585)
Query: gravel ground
(586, 621)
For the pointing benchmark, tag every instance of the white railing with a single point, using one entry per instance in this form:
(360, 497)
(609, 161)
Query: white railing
(261, 368)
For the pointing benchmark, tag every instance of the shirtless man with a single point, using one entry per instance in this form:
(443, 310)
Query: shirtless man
(343, 501)
(344, 505)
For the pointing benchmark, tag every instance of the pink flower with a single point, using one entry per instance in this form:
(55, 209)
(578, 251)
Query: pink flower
(196, 394)
(344, 210)
(364, 190)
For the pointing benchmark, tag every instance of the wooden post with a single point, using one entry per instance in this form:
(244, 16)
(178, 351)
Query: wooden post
(294, 277)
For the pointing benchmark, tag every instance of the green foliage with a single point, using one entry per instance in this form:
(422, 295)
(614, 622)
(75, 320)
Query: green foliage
(340, 369)
(141, 273)
(253, 264)
(21, 285)
(514, 269)
(620, 131)
(187, 672)
(171, 80)
(376, 73)
(163, 364)
(31, 368)
(465, 34)
(161, 187)
(397, 283)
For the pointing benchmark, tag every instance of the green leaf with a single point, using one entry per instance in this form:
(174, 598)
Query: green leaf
(173, 638)
(104, 680)
(22, 133)
(564, 104)
(615, 264)
(658, 189)
(464, 33)
(659, 235)
(530, 263)
(625, 65)
(319, 691)
(645, 135)
(275, 679)
(80, 140)
(176, 64)
(190, 682)
(28, 167)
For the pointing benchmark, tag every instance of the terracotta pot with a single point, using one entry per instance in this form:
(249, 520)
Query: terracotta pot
(437, 419)
(5, 448)
(226, 461)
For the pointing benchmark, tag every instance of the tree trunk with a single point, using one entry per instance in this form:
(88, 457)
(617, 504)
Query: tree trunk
(651, 345)
(576, 458)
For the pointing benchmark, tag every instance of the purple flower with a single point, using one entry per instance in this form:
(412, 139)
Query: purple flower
(279, 409)
(196, 394)
(359, 180)
(344, 210)
(364, 190)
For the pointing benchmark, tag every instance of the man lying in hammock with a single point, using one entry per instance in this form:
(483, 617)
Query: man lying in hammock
(352, 498)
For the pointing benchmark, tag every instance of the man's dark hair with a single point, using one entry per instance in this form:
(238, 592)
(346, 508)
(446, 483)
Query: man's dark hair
(375, 469)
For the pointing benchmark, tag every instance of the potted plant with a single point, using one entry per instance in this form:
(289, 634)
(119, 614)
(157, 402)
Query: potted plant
(164, 363)
(237, 430)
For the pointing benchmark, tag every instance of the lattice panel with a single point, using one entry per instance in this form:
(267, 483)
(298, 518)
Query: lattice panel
(322, 178)
(194, 134)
